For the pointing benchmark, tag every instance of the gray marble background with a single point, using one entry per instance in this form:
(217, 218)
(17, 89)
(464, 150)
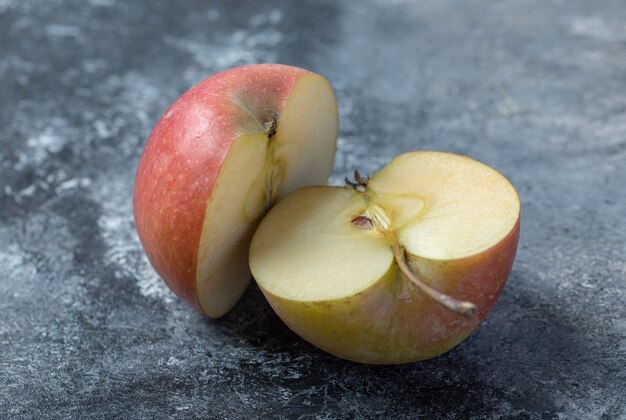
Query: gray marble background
(534, 88)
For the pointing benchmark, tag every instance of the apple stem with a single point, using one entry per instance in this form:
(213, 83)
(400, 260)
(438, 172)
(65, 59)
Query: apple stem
(359, 184)
(271, 125)
(377, 219)
(460, 307)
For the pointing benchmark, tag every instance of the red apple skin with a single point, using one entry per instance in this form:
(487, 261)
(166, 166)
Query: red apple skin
(393, 322)
(182, 158)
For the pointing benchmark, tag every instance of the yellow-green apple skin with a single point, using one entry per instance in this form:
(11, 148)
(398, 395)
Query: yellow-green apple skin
(389, 320)
(216, 160)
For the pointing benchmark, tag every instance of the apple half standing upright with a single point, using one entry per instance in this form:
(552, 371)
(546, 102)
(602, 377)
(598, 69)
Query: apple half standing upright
(396, 268)
(216, 161)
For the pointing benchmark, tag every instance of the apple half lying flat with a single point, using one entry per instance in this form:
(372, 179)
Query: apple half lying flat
(397, 268)
(216, 161)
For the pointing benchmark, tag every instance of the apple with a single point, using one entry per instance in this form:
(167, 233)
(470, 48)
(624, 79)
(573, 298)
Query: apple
(216, 161)
(396, 268)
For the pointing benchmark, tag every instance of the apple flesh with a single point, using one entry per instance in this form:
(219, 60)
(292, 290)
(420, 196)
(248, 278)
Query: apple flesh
(397, 268)
(216, 161)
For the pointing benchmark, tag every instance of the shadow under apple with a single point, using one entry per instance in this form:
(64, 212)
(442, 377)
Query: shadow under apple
(528, 353)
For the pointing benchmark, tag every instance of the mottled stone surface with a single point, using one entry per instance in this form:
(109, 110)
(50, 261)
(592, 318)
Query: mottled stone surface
(534, 88)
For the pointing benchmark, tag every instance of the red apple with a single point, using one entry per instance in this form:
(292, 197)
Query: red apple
(397, 268)
(215, 163)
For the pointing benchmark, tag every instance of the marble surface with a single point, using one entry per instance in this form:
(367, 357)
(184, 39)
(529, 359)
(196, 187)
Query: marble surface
(534, 88)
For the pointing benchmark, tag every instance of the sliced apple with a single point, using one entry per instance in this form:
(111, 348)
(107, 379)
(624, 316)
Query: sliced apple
(397, 268)
(217, 160)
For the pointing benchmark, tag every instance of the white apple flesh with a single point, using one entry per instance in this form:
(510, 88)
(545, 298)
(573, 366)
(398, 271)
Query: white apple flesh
(216, 161)
(399, 268)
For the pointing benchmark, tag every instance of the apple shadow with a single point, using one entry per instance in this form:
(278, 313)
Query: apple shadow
(529, 351)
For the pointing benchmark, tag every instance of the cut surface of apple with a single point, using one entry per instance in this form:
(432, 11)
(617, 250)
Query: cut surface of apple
(337, 263)
(223, 154)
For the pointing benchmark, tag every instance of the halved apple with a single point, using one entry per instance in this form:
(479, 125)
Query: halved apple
(397, 268)
(216, 161)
